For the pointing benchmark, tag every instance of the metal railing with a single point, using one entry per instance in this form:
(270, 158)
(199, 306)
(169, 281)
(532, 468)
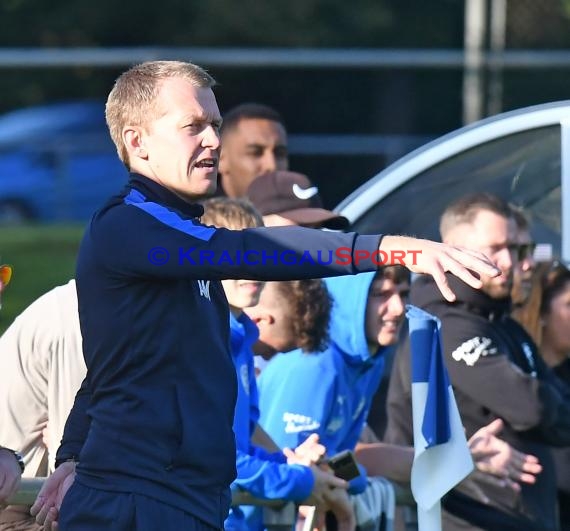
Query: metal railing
(331, 58)
(277, 514)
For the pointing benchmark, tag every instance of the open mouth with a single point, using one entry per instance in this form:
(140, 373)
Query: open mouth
(206, 163)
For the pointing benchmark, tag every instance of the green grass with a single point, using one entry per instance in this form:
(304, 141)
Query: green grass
(42, 257)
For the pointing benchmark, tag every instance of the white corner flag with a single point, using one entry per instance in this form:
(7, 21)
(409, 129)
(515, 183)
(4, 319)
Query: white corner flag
(442, 458)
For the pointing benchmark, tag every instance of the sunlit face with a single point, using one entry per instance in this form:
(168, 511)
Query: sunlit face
(522, 273)
(242, 293)
(180, 148)
(496, 237)
(556, 323)
(274, 320)
(384, 312)
(254, 147)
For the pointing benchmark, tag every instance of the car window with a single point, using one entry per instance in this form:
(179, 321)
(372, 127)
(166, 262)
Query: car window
(524, 168)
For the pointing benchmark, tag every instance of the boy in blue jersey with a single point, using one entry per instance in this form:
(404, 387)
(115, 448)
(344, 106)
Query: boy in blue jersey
(264, 474)
(329, 393)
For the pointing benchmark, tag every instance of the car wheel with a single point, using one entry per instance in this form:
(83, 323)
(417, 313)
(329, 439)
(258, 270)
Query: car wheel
(14, 212)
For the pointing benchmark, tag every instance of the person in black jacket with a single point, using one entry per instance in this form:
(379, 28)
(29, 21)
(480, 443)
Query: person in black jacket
(495, 371)
(151, 427)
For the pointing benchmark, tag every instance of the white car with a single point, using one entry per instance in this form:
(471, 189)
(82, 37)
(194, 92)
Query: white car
(522, 156)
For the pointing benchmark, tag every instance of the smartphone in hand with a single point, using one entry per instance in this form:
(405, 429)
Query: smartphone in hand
(344, 465)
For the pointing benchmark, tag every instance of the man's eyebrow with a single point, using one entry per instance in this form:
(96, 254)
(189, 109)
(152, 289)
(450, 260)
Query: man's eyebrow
(255, 145)
(203, 118)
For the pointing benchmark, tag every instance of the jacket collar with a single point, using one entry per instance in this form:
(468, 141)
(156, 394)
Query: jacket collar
(153, 190)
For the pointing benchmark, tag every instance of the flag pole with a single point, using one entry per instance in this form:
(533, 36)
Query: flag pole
(441, 455)
(430, 520)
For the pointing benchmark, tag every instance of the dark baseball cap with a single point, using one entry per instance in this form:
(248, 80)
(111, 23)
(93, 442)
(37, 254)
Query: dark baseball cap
(293, 196)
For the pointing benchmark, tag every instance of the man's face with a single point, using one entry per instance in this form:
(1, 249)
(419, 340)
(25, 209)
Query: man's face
(180, 148)
(384, 311)
(254, 147)
(242, 293)
(496, 237)
(522, 274)
(556, 323)
(273, 317)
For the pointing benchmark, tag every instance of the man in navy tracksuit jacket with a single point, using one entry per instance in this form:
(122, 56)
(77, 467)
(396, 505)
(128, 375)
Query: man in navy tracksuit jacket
(152, 423)
(161, 385)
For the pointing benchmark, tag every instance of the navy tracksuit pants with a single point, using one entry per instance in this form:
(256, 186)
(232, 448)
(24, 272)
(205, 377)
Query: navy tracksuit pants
(87, 509)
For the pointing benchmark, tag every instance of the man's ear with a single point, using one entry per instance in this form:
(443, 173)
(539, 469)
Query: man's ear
(262, 318)
(134, 142)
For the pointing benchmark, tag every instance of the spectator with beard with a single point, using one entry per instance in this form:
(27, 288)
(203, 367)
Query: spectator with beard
(496, 373)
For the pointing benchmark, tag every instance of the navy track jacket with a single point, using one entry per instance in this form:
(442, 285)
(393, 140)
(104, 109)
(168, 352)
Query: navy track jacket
(154, 415)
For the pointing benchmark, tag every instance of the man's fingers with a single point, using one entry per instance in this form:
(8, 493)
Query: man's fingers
(533, 467)
(464, 274)
(51, 523)
(463, 263)
(527, 478)
(288, 453)
(475, 261)
(43, 512)
(320, 449)
(525, 463)
(495, 427)
(531, 460)
(438, 275)
(38, 504)
(525, 472)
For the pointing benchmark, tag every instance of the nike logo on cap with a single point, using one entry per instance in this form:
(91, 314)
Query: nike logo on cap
(305, 193)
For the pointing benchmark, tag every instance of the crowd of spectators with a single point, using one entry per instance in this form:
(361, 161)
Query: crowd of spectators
(308, 355)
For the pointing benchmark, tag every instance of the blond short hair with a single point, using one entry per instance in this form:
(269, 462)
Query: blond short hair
(235, 214)
(132, 99)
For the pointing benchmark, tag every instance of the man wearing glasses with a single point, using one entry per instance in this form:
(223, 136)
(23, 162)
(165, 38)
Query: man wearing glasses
(495, 369)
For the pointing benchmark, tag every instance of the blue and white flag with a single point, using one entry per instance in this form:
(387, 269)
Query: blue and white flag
(442, 458)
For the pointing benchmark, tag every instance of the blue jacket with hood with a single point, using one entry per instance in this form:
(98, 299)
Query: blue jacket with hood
(154, 414)
(328, 392)
(263, 474)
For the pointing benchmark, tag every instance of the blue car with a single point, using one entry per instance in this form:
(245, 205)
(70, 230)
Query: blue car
(57, 163)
